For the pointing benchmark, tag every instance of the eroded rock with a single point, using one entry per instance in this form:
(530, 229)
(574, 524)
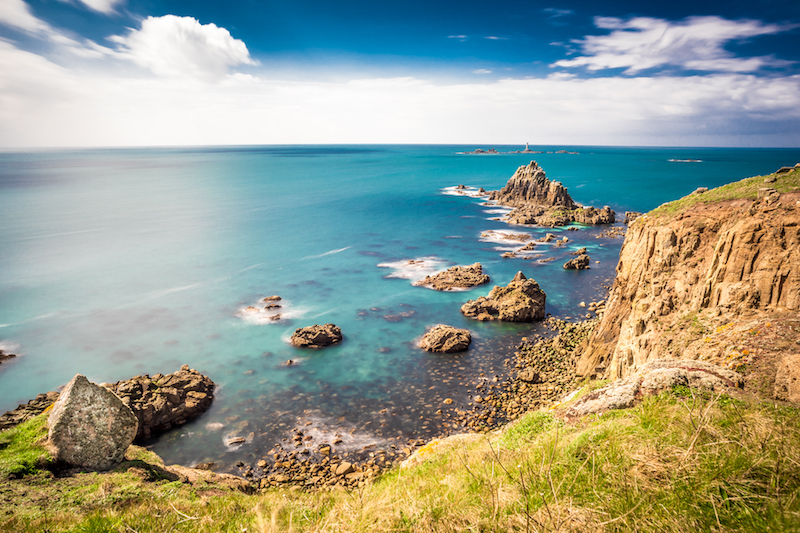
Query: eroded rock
(162, 402)
(579, 263)
(520, 301)
(446, 339)
(457, 277)
(316, 336)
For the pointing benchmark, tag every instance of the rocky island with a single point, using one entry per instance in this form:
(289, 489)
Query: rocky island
(542, 202)
(454, 278)
(520, 301)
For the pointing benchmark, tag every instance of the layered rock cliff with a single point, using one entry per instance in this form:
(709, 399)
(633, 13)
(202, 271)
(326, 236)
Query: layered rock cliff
(709, 280)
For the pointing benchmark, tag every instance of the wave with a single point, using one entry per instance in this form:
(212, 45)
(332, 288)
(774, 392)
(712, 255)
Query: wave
(470, 192)
(415, 269)
(339, 250)
(259, 314)
(685, 160)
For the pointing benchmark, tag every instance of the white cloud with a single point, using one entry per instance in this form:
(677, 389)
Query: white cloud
(696, 43)
(481, 71)
(42, 104)
(103, 6)
(17, 14)
(177, 47)
(495, 38)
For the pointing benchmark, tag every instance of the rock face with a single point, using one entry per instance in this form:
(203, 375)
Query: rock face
(579, 263)
(457, 277)
(653, 378)
(445, 339)
(316, 336)
(520, 301)
(162, 402)
(543, 202)
(89, 426)
(27, 411)
(529, 186)
(684, 282)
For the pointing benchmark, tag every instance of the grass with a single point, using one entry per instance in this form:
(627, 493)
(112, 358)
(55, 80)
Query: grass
(20, 454)
(744, 189)
(678, 462)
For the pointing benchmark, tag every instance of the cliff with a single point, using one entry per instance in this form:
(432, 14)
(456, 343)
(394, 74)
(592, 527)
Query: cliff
(543, 202)
(714, 276)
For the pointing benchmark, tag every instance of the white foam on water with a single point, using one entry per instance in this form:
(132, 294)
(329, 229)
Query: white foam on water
(331, 252)
(499, 237)
(324, 430)
(257, 314)
(9, 347)
(415, 269)
(498, 211)
(214, 426)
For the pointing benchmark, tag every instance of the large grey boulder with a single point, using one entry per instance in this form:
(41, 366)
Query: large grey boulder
(316, 336)
(89, 426)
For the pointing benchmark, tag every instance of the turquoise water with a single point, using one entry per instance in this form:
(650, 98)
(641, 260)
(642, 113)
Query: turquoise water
(121, 262)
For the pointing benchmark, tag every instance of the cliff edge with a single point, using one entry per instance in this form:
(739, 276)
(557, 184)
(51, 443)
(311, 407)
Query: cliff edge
(714, 276)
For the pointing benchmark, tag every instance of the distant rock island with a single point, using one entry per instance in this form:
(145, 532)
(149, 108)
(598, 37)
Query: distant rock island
(537, 200)
(527, 150)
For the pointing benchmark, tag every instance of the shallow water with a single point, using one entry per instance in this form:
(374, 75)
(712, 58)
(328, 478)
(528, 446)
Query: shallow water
(121, 262)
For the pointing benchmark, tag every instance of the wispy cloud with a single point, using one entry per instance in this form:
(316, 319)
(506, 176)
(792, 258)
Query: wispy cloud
(173, 47)
(461, 38)
(695, 43)
(102, 6)
(555, 12)
(481, 71)
(495, 38)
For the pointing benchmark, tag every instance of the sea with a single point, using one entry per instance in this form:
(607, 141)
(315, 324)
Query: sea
(120, 262)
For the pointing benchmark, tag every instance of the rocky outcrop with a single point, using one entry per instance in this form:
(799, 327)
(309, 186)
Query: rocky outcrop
(579, 263)
(520, 301)
(543, 202)
(653, 378)
(89, 426)
(529, 186)
(5, 355)
(316, 336)
(162, 402)
(685, 282)
(454, 278)
(445, 339)
(27, 411)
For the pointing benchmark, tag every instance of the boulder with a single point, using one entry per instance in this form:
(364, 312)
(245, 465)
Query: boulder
(579, 263)
(654, 377)
(162, 402)
(89, 426)
(457, 277)
(520, 301)
(316, 336)
(445, 339)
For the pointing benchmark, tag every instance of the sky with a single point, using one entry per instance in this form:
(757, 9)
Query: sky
(96, 73)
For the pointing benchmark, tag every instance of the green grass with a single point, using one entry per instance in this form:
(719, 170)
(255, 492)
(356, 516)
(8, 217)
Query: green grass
(20, 450)
(744, 189)
(679, 462)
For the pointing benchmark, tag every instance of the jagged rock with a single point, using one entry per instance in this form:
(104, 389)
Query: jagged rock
(653, 378)
(630, 216)
(457, 277)
(162, 402)
(4, 355)
(520, 301)
(446, 339)
(579, 263)
(529, 186)
(27, 411)
(89, 426)
(580, 251)
(272, 299)
(316, 336)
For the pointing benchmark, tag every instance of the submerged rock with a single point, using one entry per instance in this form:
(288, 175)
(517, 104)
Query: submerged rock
(316, 336)
(579, 263)
(90, 426)
(4, 355)
(162, 402)
(457, 277)
(445, 339)
(520, 301)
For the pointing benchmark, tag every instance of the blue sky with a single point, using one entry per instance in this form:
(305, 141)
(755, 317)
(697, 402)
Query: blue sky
(177, 72)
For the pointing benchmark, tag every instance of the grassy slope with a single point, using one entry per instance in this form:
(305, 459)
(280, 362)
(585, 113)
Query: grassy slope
(677, 462)
(744, 189)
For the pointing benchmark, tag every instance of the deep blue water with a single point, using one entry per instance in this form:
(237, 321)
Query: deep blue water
(118, 262)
